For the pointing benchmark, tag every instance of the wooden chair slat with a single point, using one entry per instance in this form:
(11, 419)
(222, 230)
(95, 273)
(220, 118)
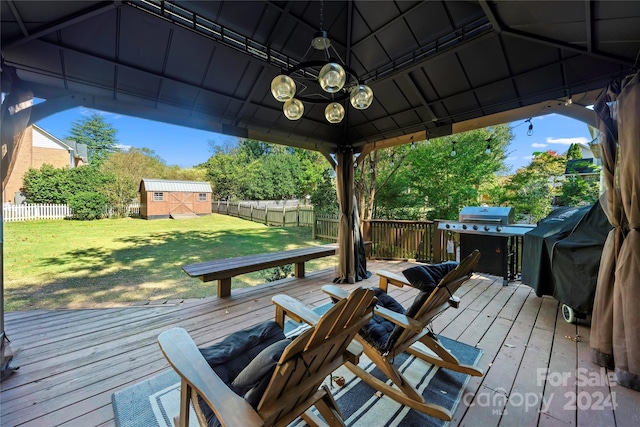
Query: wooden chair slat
(414, 329)
(295, 384)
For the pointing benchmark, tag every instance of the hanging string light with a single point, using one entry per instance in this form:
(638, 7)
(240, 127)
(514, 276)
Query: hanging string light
(453, 149)
(569, 100)
(530, 130)
(488, 141)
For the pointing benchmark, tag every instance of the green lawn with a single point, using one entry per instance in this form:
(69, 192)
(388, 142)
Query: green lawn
(58, 263)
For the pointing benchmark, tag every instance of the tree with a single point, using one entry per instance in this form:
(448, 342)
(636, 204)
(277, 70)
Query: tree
(57, 185)
(577, 191)
(98, 135)
(428, 182)
(228, 174)
(574, 152)
(126, 169)
(256, 170)
(324, 198)
(88, 206)
(532, 189)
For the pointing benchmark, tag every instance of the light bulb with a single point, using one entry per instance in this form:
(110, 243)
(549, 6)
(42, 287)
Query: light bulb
(361, 97)
(283, 88)
(293, 109)
(332, 77)
(334, 113)
(453, 152)
(488, 150)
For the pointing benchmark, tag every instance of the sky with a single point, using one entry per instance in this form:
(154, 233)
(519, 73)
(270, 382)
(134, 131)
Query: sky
(186, 147)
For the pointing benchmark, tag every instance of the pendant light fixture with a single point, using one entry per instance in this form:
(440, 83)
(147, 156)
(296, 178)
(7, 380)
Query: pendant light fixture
(327, 81)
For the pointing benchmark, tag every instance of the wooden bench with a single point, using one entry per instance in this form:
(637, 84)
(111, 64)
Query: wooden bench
(223, 270)
(395, 279)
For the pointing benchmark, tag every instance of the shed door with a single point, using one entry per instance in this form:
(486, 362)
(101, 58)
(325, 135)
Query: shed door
(180, 203)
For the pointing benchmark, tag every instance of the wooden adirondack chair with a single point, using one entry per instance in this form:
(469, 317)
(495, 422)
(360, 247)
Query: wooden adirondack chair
(412, 330)
(295, 385)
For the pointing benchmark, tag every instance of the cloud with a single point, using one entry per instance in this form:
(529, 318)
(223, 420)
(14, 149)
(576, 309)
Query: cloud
(123, 147)
(567, 141)
(538, 145)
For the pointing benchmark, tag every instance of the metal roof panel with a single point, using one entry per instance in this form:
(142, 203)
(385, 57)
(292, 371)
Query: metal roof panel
(175, 185)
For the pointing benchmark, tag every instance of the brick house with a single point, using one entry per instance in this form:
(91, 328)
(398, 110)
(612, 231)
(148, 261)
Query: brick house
(38, 147)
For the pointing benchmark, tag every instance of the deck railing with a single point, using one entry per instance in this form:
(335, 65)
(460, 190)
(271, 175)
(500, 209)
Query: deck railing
(390, 239)
(400, 239)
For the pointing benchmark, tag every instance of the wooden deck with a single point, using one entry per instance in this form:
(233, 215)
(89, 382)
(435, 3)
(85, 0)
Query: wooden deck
(71, 361)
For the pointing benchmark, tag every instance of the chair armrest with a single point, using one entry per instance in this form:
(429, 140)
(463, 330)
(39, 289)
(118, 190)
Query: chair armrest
(297, 311)
(392, 316)
(395, 279)
(185, 358)
(398, 318)
(335, 292)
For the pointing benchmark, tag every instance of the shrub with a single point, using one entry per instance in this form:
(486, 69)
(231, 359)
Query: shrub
(277, 273)
(87, 206)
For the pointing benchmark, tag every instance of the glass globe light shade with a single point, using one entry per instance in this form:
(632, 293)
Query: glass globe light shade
(293, 109)
(453, 153)
(332, 77)
(334, 113)
(361, 97)
(283, 88)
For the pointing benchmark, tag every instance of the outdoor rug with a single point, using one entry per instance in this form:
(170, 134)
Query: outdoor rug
(154, 402)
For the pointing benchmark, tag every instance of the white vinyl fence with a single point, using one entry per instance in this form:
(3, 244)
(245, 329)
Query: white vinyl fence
(29, 212)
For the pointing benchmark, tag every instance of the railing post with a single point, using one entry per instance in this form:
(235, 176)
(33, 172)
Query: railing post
(437, 242)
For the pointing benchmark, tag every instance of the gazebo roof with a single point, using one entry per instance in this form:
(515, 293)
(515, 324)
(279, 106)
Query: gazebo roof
(435, 67)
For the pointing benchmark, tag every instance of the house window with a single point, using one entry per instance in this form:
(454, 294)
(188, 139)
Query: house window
(158, 197)
(202, 197)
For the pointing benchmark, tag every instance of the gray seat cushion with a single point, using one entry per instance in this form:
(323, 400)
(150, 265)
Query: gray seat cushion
(241, 355)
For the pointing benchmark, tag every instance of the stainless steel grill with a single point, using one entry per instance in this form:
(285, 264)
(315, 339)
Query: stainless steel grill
(491, 230)
(485, 220)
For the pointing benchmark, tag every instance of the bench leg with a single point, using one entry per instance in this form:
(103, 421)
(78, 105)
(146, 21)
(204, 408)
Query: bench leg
(224, 287)
(299, 269)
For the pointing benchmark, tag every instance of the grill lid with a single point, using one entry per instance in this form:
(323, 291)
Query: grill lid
(487, 214)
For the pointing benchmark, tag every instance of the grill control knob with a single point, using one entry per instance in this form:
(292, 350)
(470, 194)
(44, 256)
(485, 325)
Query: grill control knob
(448, 225)
(498, 228)
(475, 227)
(486, 228)
(464, 226)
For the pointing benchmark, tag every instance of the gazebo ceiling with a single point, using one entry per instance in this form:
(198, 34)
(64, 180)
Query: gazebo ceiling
(209, 64)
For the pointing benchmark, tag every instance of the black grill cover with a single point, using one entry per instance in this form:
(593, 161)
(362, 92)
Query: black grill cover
(561, 256)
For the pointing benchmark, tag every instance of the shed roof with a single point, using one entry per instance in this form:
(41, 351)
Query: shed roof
(175, 185)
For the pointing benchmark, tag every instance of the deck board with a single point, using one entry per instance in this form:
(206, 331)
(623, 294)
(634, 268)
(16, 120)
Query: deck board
(72, 361)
